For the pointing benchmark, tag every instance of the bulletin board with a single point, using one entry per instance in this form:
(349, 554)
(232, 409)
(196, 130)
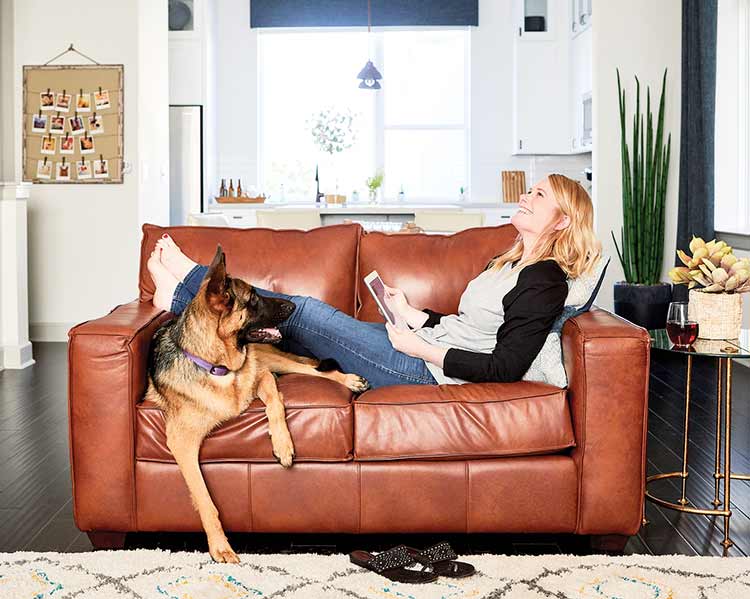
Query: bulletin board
(72, 123)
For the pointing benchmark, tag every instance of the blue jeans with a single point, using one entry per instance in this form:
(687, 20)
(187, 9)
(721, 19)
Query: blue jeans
(318, 330)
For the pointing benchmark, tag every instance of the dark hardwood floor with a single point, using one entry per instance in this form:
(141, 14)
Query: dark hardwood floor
(36, 511)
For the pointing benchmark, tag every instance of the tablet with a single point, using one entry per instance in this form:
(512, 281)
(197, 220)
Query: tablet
(377, 289)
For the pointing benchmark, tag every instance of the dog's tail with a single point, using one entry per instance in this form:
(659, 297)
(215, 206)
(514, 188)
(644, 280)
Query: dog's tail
(328, 364)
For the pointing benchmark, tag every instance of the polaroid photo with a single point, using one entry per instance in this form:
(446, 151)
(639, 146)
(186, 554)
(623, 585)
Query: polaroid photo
(62, 171)
(49, 145)
(76, 125)
(43, 169)
(39, 123)
(87, 144)
(57, 125)
(67, 145)
(101, 99)
(47, 100)
(63, 102)
(83, 102)
(83, 169)
(101, 169)
(96, 124)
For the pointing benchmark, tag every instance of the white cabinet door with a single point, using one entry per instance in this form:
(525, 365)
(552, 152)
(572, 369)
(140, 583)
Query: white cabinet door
(541, 85)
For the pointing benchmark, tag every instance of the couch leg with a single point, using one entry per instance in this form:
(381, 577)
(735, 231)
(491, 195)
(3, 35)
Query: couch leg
(608, 543)
(107, 540)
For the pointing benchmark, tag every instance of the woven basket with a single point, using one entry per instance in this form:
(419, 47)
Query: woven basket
(719, 315)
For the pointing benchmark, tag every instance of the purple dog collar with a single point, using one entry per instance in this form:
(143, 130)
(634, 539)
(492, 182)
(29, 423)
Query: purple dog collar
(216, 369)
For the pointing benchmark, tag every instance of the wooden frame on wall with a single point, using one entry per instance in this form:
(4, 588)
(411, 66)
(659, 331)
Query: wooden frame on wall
(73, 80)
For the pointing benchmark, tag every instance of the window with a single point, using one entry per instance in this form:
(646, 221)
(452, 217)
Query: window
(415, 129)
(732, 127)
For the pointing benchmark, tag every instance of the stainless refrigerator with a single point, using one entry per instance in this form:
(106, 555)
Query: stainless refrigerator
(185, 162)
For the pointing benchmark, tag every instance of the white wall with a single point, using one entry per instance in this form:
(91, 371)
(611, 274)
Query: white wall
(84, 239)
(640, 37)
(234, 67)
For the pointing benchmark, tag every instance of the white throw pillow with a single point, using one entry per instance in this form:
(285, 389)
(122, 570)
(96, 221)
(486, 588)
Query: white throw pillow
(548, 365)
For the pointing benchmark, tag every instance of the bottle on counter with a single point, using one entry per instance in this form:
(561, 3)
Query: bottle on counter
(231, 189)
(282, 194)
(223, 188)
(355, 197)
(401, 195)
(239, 188)
(462, 195)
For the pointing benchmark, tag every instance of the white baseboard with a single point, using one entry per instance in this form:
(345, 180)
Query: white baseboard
(50, 331)
(16, 357)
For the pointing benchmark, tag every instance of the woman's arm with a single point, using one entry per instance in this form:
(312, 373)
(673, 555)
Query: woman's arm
(537, 301)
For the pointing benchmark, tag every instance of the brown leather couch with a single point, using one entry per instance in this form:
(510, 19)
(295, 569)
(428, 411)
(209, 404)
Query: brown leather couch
(479, 457)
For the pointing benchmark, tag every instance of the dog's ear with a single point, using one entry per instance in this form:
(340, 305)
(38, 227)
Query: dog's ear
(216, 290)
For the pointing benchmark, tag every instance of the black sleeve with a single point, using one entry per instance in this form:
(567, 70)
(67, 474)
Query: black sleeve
(433, 317)
(537, 300)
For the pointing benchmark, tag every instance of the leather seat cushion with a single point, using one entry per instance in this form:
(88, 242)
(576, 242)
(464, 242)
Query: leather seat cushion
(461, 421)
(318, 413)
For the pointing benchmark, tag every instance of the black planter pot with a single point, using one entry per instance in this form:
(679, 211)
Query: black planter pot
(644, 305)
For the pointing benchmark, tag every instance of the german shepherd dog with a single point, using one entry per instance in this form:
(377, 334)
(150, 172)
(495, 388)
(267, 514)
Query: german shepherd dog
(207, 365)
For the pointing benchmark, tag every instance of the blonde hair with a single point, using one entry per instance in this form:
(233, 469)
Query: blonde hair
(575, 248)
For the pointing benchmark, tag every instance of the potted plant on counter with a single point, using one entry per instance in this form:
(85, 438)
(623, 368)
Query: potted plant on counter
(373, 184)
(642, 298)
(717, 280)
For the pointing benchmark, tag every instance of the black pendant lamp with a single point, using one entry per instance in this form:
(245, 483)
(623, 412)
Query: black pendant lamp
(369, 75)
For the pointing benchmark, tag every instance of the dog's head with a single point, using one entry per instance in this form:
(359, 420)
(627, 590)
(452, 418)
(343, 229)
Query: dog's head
(241, 311)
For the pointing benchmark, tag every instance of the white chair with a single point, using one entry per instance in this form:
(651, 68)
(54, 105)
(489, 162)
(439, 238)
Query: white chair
(207, 220)
(288, 219)
(448, 221)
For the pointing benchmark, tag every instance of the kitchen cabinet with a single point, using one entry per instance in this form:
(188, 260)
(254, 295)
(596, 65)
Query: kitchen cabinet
(552, 77)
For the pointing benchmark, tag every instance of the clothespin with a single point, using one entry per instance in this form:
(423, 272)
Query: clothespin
(94, 114)
(100, 89)
(48, 91)
(101, 158)
(40, 112)
(63, 161)
(45, 161)
(63, 94)
(80, 92)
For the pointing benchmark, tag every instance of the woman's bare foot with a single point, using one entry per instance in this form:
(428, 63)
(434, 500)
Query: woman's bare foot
(173, 259)
(164, 280)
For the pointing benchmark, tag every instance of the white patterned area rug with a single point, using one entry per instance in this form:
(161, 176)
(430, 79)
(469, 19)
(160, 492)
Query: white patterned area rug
(157, 574)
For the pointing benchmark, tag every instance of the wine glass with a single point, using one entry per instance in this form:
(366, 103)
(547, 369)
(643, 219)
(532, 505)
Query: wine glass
(681, 330)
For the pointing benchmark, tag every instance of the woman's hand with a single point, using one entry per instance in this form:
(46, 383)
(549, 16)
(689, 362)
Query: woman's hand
(406, 341)
(396, 301)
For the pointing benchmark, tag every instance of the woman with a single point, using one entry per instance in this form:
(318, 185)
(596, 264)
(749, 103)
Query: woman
(504, 316)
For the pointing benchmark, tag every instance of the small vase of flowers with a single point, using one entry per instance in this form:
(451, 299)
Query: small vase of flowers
(716, 279)
(373, 184)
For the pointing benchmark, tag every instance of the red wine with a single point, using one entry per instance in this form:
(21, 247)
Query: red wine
(682, 333)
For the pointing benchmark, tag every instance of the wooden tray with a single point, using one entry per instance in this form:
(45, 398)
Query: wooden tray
(240, 200)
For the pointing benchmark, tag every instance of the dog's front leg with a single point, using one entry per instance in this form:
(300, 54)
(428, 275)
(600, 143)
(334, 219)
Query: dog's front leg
(184, 444)
(281, 440)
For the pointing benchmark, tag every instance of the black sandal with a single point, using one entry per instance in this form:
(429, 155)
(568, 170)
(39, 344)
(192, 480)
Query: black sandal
(441, 556)
(392, 564)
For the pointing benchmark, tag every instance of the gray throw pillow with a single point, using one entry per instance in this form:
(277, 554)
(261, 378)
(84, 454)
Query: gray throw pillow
(548, 365)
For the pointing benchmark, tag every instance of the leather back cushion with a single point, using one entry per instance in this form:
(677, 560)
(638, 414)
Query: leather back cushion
(432, 270)
(320, 262)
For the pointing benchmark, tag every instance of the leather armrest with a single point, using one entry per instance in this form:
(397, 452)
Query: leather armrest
(607, 362)
(106, 377)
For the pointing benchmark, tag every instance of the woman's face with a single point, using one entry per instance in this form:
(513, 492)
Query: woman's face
(538, 211)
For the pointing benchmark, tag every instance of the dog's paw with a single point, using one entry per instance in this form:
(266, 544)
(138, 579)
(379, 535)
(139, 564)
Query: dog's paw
(283, 451)
(356, 383)
(222, 552)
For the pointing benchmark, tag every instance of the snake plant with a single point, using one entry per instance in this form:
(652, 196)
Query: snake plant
(644, 189)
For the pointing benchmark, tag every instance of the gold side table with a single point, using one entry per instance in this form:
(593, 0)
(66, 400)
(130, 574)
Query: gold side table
(723, 350)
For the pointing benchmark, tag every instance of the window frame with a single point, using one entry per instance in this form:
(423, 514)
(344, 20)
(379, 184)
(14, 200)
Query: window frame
(377, 51)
